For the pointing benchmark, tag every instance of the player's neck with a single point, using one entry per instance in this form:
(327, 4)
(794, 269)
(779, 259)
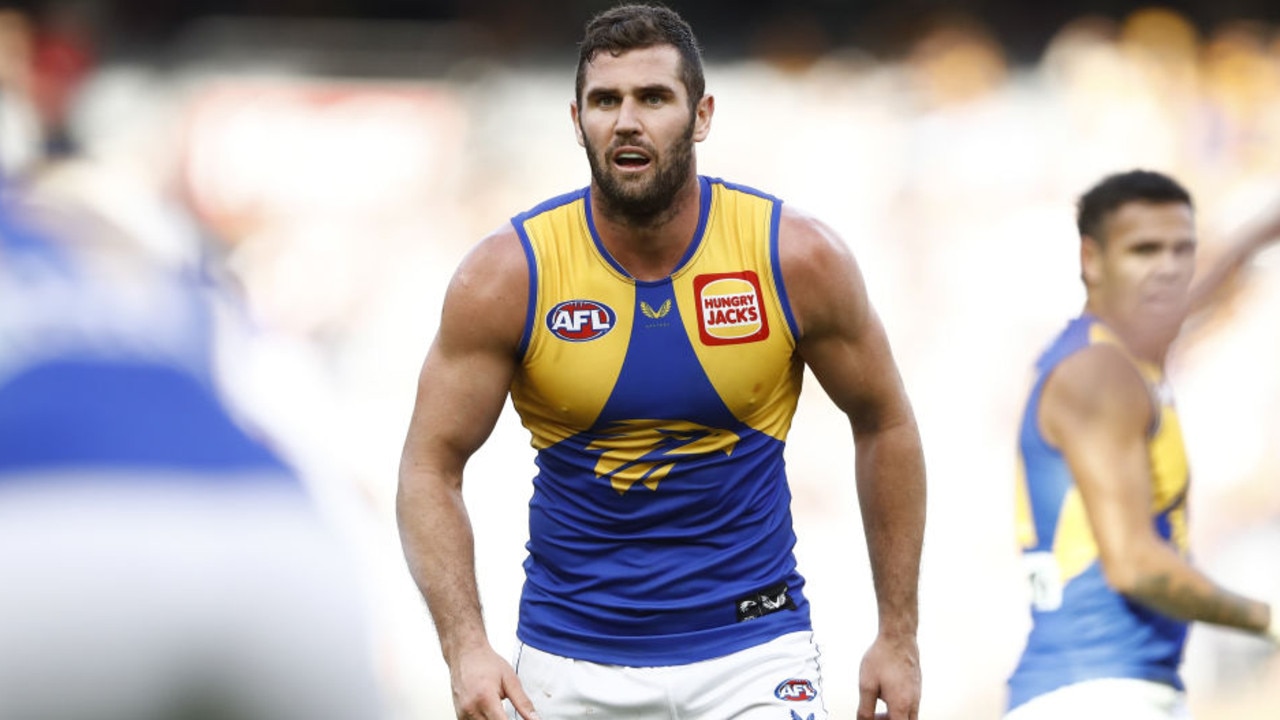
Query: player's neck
(651, 250)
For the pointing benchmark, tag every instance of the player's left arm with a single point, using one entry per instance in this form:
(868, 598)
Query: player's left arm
(844, 344)
(1218, 276)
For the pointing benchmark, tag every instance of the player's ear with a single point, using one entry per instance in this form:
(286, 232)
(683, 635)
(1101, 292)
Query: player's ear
(1090, 261)
(577, 126)
(702, 113)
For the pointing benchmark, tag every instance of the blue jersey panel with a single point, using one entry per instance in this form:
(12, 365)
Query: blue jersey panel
(76, 413)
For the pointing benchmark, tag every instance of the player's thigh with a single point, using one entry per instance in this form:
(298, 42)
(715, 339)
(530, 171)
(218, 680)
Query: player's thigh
(1106, 699)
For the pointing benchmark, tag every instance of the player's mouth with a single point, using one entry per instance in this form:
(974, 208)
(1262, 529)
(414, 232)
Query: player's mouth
(1164, 294)
(1165, 302)
(630, 159)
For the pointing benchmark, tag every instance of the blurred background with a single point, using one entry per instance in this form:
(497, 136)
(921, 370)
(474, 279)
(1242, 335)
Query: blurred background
(331, 161)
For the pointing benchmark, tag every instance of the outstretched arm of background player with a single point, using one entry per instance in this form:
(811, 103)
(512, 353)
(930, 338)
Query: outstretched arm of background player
(461, 390)
(1096, 410)
(844, 344)
(1213, 283)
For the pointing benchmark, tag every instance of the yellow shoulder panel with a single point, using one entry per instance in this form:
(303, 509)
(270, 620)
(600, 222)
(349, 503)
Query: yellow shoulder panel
(575, 287)
(734, 317)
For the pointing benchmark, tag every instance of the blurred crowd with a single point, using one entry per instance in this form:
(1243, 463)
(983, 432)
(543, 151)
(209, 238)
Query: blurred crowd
(331, 207)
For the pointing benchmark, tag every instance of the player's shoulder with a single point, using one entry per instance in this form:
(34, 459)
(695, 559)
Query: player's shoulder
(498, 250)
(495, 265)
(805, 239)
(1099, 379)
(1100, 365)
(824, 283)
(488, 295)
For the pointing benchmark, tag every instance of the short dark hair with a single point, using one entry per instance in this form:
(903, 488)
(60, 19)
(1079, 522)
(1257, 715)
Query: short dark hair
(633, 27)
(1115, 190)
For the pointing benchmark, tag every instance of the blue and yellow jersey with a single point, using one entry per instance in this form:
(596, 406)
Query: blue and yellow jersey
(1081, 628)
(109, 367)
(660, 520)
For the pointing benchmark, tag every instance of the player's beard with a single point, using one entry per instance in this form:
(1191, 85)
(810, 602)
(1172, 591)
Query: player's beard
(644, 202)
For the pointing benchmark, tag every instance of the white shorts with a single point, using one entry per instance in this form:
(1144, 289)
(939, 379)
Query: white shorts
(779, 680)
(1107, 699)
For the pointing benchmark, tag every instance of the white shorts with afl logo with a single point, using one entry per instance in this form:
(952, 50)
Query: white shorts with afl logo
(779, 680)
(1107, 699)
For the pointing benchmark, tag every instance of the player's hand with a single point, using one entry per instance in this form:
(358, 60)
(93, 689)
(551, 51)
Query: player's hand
(890, 672)
(481, 681)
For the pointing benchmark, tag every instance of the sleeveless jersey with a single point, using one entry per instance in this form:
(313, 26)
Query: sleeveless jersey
(1081, 628)
(660, 524)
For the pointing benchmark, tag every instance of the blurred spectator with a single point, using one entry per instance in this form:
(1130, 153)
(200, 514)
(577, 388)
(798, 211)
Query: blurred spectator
(20, 134)
(956, 60)
(63, 55)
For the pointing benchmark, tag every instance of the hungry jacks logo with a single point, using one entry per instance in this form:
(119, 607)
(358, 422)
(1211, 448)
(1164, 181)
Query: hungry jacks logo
(730, 308)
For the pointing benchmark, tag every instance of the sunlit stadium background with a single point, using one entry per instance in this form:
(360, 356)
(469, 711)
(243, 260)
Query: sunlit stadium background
(342, 156)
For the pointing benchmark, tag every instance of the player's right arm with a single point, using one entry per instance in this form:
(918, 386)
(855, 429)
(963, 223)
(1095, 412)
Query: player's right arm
(1096, 409)
(461, 391)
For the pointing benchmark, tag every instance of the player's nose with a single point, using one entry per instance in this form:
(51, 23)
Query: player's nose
(628, 119)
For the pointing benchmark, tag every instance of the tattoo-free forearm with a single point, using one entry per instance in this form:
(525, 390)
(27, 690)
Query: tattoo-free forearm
(891, 493)
(435, 532)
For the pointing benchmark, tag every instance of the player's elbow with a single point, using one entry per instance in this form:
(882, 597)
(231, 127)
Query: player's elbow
(1126, 568)
(1120, 576)
(413, 490)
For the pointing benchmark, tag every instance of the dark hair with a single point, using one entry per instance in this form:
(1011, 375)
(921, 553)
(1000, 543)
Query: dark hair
(633, 27)
(1115, 190)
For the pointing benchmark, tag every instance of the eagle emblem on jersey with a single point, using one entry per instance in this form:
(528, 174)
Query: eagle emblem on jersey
(645, 451)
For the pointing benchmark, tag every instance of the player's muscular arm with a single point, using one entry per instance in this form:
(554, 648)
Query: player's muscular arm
(1097, 410)
(844, 344)
(461, 391)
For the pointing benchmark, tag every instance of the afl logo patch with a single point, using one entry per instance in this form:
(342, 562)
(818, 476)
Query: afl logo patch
(580, 320)
(796, 690)
(730, 308)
